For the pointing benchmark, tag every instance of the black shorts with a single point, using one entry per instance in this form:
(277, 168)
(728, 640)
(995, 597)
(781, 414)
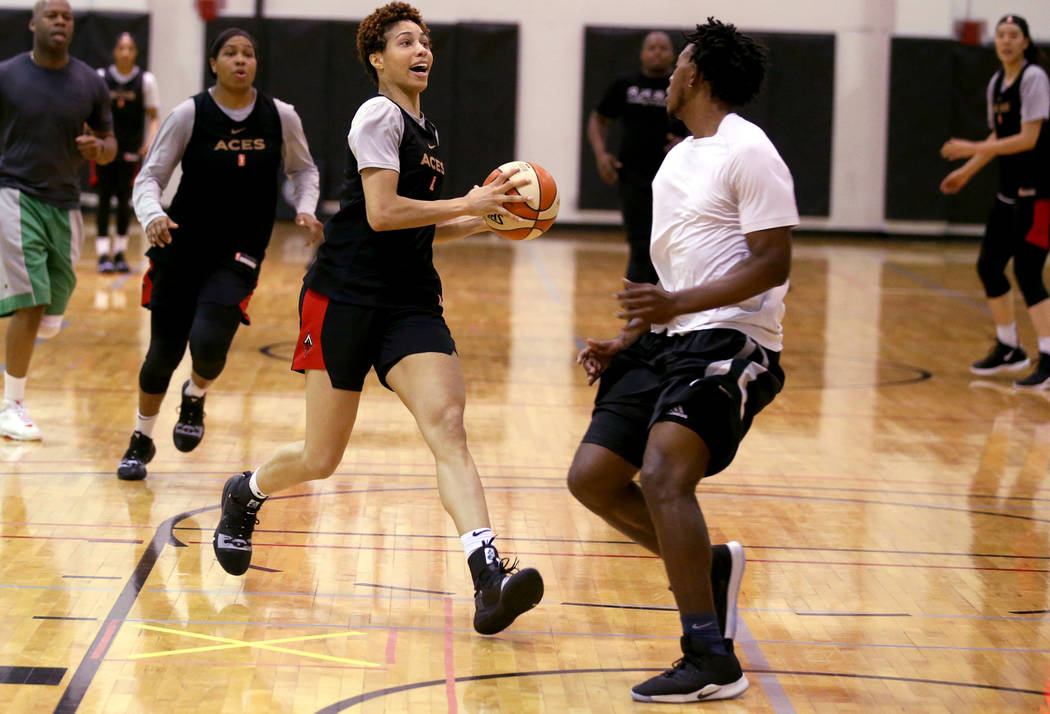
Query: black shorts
(347, 340)
(711, 381)
(168, 285)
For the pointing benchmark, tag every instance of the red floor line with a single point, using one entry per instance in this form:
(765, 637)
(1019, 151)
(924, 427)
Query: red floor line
(133, 541)
(450, 664)
(642, 557)
(107, 637)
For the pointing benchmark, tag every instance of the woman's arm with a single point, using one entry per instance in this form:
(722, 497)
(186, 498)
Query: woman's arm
(388, 211)
(1025, 140)
(163, 156)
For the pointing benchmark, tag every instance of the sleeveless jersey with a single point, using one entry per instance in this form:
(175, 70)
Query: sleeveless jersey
(227, 198)
(359, 265)
(1026, 173)
(129, 112)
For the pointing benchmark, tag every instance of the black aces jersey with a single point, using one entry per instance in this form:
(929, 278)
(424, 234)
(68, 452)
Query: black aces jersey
(227, 198)
(129, 112)
(359, 265)
(1026, 173)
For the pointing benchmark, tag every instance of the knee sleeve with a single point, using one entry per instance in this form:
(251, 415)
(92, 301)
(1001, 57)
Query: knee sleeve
(157, 368)
(210, 337)
(167, 344)
(50, 325)
(997, 247)
(1028, 269)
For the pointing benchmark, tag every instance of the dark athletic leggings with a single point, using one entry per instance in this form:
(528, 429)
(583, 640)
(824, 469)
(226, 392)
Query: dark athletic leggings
(208, 328)
(1020, 231)
(114, 179)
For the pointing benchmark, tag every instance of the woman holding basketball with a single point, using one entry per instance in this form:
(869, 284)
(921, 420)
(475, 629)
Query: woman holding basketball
(205, 251)
(372, 299)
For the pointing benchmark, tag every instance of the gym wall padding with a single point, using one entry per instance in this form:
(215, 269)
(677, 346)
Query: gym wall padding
(795, 107)
(94, 35)
(313, 65)
(937, 91)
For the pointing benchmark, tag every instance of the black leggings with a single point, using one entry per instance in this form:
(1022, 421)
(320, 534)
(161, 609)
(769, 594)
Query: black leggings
(114, 179)
(1020, 231)
(208, 328)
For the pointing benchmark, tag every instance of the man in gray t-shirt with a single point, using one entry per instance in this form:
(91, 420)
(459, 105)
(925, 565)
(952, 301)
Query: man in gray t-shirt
(54, 115)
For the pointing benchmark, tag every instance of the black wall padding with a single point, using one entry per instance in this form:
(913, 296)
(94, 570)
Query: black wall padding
(472, 94)
(94, 34)
(795, 107)
(937, 91)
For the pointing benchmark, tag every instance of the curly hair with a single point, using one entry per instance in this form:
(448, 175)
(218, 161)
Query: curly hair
(732, 62)
(371, 35)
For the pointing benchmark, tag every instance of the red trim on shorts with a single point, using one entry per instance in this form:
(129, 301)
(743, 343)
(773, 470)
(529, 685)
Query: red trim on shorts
(1039, 233)
(308, 352)
(147, 284)
(244, 309)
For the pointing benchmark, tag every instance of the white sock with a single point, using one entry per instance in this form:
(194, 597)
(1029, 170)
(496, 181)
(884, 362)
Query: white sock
(253, 485)
(120, 244)
(474, 539)
(14, 388)
(1044, 345)
(102, 245)
(1007, 334)
(193, 390)
(144, 424)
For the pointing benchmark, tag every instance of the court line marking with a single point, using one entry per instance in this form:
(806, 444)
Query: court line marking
(345, 704)
(549, 633)
(770, 682)
(632, 556)
(230, 643)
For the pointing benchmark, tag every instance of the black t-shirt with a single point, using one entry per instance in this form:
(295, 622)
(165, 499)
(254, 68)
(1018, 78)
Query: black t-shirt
(359, 265)
(227, 197)
(42, 112)
(129, 111)
(639, 101)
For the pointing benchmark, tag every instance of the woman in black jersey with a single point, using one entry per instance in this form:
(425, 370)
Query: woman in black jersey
(205, 253)
(133, 97)
(1019, 224)
(373, 299)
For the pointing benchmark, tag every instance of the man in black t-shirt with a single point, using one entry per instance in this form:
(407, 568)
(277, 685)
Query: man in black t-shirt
(46, 99)
(648, 132)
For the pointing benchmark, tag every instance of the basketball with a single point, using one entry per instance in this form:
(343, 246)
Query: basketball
(532, 218)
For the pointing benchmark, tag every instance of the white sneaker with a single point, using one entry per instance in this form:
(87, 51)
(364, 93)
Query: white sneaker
(15, 422)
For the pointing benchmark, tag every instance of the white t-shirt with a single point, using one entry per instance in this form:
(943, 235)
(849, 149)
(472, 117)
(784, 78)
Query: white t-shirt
(376, 132)
(709, 193)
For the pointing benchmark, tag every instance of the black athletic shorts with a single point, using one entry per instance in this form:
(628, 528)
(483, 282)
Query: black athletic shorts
(347, 340)
(169, 285)
(711, 381)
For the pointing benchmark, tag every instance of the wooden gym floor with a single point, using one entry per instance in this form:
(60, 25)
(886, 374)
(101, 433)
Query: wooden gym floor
(894, 510)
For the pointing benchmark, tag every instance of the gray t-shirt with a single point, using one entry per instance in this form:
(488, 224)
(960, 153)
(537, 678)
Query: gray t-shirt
(42, 112)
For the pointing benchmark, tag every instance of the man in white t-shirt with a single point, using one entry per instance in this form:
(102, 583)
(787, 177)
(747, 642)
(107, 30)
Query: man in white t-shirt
(699, 355)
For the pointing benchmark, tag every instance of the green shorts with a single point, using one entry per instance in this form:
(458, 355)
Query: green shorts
(39, 245)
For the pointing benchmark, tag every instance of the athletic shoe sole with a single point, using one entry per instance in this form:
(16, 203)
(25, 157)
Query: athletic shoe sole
(1038, 386)
(707, 693)
(523, 591)
(1013, 367)
(736, 576)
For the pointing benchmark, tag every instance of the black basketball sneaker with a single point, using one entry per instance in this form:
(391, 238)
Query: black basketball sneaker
(140, 452)
(189, 429)
(501, 591)
(232, 540)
